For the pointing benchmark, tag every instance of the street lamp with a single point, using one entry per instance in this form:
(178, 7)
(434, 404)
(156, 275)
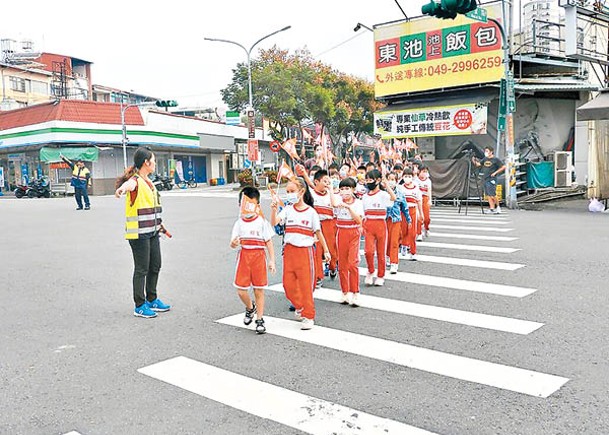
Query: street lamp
(124, 130)
(360, 25)
(248, 53)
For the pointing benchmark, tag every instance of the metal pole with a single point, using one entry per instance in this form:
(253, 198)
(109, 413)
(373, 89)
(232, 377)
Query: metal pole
(124, 133)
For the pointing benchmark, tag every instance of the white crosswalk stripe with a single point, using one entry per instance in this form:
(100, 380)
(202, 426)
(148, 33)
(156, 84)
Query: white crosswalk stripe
(474, 229)
(232, 195)
(305, 413)
(468, 369)
(485, 264)
(459, 247)
(470, 221)
(434, 233)
(487, 321)
(457, 284)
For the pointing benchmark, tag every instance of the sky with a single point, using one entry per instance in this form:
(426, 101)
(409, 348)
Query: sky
(157, 48)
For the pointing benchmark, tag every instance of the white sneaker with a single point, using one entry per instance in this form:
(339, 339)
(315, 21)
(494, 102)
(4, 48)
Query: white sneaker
(354, 300)
(298, 315)
(369, 279)
(412, 257)
(387, 262)
(498, 210)
(393, 269)
(407, 256)
(403, 250)
(379, 282)
(345, 298)
(426, 233)
(307, 323)
(420, 238)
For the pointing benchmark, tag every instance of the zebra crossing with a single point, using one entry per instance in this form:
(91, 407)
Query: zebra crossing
(316, 415)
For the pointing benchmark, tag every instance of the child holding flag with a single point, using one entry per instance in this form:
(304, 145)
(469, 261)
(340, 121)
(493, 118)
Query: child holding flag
(252, 233)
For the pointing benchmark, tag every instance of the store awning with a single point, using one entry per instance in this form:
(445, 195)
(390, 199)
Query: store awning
(88, 154)
(595, 109)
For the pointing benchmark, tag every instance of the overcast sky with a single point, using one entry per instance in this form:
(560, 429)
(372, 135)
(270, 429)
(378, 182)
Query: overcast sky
(157, 48)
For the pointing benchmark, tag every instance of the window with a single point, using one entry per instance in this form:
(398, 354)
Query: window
(17, 84)
(39, 87)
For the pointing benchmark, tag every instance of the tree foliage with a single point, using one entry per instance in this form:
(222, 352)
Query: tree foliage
(294, 89)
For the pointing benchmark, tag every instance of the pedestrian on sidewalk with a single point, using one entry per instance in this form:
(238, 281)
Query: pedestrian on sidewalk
(144, 224)
(349, 215)
(81, 180)
(302, 226)
(491, 167)
(251, 234)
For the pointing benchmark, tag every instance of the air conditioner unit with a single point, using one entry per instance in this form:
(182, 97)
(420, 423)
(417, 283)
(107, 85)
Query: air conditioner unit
(563, 169)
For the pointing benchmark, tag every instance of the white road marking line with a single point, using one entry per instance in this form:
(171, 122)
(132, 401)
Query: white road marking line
(469, 221)
(469, 318)
(72, 433)
(433, 233)
(470, 214)
(432, 361)
(305, 413)
(498, 265)
(457, 284)
(201, 194)
(479, 248)
(474, 229)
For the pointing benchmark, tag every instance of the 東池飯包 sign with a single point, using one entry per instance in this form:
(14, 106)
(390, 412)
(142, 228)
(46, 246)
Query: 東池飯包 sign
(429, 53)
(462, 119)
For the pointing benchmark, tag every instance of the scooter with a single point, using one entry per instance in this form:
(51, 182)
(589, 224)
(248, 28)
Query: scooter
(21, 190)
(39, 188)
(162, 183)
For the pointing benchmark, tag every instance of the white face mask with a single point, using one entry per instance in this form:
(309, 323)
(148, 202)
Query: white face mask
(345, 194)
(291, 198)
(335, 183)
(392, 183)
(407, 179)
(343, 173)
(487, 154)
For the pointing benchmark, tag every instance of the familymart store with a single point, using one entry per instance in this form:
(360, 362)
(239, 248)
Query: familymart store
(32, 151)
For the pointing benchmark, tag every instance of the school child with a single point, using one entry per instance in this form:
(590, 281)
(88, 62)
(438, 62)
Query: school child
(323, 201)
(394, 223)
(360, 188)
(425, 187)
(375, 203)
(398, 169)
(252, 233)
(349, 216)
(301, 227)
(415, 210)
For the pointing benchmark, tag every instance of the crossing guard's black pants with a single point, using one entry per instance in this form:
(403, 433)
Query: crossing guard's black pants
(147, 259)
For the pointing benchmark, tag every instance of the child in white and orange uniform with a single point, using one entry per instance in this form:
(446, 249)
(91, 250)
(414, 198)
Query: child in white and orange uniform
(323, 201)
(302, 226)
(425, 188)
(413, 196)
(349, 216)
(252, 234)
(376, 202)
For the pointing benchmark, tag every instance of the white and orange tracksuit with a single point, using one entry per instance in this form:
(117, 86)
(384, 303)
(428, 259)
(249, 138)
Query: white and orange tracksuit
(425, 187)
(375, 229)
(251, 266)
(298, 257)
(323, 207)
(409, 233)
(348, 234)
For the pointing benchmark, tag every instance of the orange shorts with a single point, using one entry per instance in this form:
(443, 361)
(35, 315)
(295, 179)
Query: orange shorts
(251, 269)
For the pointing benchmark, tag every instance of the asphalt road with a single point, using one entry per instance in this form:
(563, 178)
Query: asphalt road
(71, 348)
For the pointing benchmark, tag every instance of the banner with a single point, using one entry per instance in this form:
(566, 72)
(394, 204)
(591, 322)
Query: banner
(462, 119)
(428, 53)
(253, 152)
(50, 155)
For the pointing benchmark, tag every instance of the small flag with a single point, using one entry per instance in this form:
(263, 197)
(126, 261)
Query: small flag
(290, 147)
(284, 172)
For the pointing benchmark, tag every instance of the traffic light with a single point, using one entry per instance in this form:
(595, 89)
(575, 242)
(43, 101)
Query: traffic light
(449, 8)
(166, 103)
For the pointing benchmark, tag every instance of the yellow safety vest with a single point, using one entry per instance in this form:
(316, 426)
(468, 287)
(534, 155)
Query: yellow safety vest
(143, 216)
(79, 176)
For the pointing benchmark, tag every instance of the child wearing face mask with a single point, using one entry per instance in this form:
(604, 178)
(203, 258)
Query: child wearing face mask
(413, 196)
(425, 187)
(324, 201)
(376, 202)
(251, 235)
(302, 226)
(395, 215)
(349, 215)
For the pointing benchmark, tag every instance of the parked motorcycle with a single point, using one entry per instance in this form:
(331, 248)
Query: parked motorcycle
(162, 182)
(21, 190)
(38, 188)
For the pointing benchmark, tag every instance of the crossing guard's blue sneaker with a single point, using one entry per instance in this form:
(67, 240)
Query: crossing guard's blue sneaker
(144, 311)
(158, 306)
